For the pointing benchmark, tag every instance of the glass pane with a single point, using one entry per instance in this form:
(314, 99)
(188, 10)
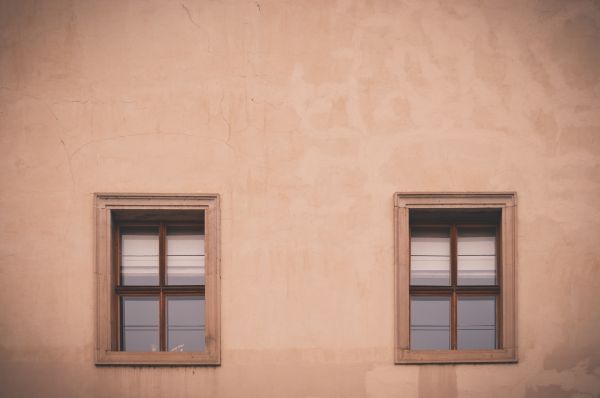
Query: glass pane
(430, 256)
(185, 258)
(429, 323)
(139, 258)
(185, 320)
(139, 324)
(476, 322)
(476, 256)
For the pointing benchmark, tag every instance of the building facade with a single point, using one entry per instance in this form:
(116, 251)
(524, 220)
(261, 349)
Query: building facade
(304, 119)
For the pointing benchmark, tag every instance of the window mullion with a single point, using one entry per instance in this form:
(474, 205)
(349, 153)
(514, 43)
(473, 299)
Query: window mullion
(453, 278)
(116, 320)
(162, 253)
(162, 320)
(453, 255)
(499, 321)
(162, 264)
(453, 328)
(499, 295)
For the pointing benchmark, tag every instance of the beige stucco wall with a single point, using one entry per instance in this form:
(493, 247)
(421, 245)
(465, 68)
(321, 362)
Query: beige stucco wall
(305, 116)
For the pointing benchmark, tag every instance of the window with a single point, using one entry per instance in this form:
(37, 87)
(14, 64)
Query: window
(455, 277)
(157, 263)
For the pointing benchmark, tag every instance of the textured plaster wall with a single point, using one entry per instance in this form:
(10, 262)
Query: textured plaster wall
(305, 116)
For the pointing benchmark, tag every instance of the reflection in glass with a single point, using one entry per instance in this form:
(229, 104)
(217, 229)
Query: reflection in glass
(185, 258)
(185, 322)
(476, 322)
(139, 258)
(476, 256)
(430, 256)
(139, 323)
(429, 323)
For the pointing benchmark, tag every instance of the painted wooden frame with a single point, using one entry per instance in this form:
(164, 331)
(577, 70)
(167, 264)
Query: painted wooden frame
(106, 205)
(506, 202)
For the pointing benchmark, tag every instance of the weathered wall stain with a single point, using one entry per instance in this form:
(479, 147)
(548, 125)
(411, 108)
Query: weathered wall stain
(549, 391)
(437, 381)
(565, 358)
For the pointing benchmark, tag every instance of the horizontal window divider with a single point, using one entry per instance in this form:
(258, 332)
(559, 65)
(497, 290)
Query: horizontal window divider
(458, 289)
(137, 289)
(174, 289)
(431, 289)
(493, 290)
(478, 288)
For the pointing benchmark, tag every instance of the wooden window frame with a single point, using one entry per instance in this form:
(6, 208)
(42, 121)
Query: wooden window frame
(145, 209)
(506, 203)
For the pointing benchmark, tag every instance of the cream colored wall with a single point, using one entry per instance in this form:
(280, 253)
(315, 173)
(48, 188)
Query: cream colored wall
(305, 116)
